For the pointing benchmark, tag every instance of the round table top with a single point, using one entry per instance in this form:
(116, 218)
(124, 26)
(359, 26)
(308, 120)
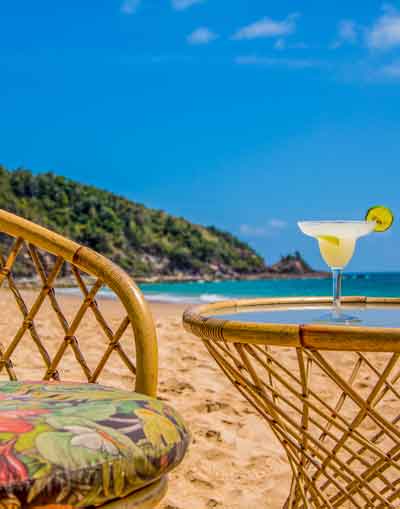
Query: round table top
(294, 322)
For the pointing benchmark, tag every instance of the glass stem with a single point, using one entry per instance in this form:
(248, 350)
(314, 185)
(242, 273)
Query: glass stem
(337, 288)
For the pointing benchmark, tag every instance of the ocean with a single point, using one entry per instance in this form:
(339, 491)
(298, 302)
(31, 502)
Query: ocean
(382, 284)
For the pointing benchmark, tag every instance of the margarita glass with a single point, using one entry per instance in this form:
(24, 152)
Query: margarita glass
(337, 242)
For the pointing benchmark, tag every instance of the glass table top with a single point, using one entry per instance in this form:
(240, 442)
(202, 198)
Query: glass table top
(369, 315)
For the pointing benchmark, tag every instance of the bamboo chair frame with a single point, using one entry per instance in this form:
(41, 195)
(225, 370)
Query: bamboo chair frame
(343, 448)
(37, 240)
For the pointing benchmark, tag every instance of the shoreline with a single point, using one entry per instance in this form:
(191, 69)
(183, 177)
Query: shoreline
(25, 282)
(248, 277)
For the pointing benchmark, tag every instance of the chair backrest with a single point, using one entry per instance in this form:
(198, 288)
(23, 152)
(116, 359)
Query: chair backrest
(51, 255)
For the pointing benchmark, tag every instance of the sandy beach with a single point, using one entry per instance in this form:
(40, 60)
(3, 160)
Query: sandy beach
(234, 461)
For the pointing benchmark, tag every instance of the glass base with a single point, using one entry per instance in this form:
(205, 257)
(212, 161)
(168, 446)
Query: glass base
(337, 317)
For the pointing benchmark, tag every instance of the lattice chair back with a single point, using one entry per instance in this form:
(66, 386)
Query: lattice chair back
(336, 413)
(51, 256)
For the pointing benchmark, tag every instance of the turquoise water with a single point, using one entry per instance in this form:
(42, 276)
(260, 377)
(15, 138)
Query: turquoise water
(369, 284)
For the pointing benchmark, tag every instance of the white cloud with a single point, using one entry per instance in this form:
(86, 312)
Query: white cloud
(385, 33)
(181, 5)
(252, 231)
(288, 63)
(280, 44)
(201, 35)
(347, 33)
(267, 27)
(130, 6)
(278, 224)
(272, 227)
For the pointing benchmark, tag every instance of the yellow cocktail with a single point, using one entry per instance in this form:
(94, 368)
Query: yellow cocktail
(337, 239)
(337, 242)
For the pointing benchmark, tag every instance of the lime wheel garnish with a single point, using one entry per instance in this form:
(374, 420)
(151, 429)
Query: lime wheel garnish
(382, 216)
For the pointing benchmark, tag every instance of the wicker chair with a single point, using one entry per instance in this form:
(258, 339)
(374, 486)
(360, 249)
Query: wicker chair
(78, 425)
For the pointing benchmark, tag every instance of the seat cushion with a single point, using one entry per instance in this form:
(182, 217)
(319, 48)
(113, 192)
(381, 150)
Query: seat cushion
(68, 444)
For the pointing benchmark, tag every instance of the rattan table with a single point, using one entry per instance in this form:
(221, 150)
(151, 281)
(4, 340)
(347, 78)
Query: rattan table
(330, 393)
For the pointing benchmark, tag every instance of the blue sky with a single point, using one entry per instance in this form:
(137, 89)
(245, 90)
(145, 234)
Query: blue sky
(246, 114)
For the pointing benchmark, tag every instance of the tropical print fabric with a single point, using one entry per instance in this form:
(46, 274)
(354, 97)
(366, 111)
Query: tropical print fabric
(65, 445)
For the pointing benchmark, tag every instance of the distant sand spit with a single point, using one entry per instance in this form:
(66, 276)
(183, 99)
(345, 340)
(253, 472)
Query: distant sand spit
(234, 460)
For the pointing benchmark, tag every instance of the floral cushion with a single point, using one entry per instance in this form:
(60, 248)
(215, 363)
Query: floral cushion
(78, 445)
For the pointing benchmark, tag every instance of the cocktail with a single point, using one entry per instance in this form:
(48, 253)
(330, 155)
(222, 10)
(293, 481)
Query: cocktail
(337, 242)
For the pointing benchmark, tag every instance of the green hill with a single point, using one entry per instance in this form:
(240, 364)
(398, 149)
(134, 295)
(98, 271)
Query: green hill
(144, 241)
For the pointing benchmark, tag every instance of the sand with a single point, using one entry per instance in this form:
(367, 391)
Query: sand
(234, 460)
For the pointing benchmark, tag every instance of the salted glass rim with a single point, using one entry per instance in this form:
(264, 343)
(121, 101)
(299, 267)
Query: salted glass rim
(335, 221)
(339, 228)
